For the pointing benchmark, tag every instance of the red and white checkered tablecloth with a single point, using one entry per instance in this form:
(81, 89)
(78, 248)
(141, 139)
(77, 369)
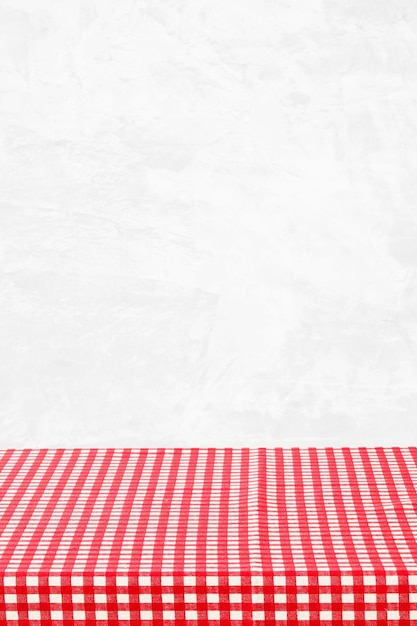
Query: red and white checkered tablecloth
(208, 536)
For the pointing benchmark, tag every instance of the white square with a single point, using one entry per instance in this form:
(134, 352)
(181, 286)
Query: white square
(99, 581)
(346, 580)
(280, 614)
(10, 598)
(213, 580)
(168, 598)
(79, 614)
(279, 581)
(55, 598)
(391, 579)
(169, 614)
(213, 614)
(280, 598)
(370, 614)
(325, 615)
(33, 597)
(123, 581)
(78, 597)
(191, 614)
(412, 579)
(234, 580)
(145, 581)
(302, 598)
(77, 581)
(324, 580)
(258, 614)
(347, 597)
(369, 580)
(413, 614)
(235, 614)
(145, 597)
(54, 581)
(32, 581)
(12, 615)
(190, 597)
(325, 598)
(348, 615)
(34, 614)
(100, 614)
(370, 597)
(9, 581)
(413, 597)
(303, 615)
(100, 597)
(235, 597)
(167, 581)
(57, 614)
(122, 597)
(189, 580)
(258, 597)
(393, 614)
(302, 580)
(212, 597)
(146, 614)
(123, 614)
(257, 581)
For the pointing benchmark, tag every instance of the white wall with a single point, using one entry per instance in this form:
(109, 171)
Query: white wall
(208, 227)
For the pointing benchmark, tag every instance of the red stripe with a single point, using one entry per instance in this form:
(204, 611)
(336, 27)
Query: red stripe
(6, 456)
(360, 511)
(326, 535)
(159, 547)
(289, 565)
(223, 529)
(341, 510)
(264, 538)
(243, 512)
(263, 513)
(146, 508)
(408, 480)
(181, 537)
(159, 540)
(287, 554)
(320, 506)
(224, 510)
(126, 510)
(302, 513)
(244, 556)
(356, 570)
(411, 485)
(97, 539)
(201, 555)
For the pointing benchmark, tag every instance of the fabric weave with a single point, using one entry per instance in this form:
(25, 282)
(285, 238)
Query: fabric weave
(208, 536)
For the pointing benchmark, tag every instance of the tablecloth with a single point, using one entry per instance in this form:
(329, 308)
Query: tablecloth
(208, 536)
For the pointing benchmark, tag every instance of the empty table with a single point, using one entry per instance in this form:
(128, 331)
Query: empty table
(208, 536)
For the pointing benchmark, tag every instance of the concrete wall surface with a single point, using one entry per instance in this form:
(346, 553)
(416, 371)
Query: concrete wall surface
(208, 223)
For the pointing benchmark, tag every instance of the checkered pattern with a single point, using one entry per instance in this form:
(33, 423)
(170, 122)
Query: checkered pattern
(208, 536)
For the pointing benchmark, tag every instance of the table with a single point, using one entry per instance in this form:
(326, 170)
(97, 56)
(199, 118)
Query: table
(208, 536)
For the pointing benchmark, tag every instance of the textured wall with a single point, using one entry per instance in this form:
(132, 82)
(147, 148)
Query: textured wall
(208, 230)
